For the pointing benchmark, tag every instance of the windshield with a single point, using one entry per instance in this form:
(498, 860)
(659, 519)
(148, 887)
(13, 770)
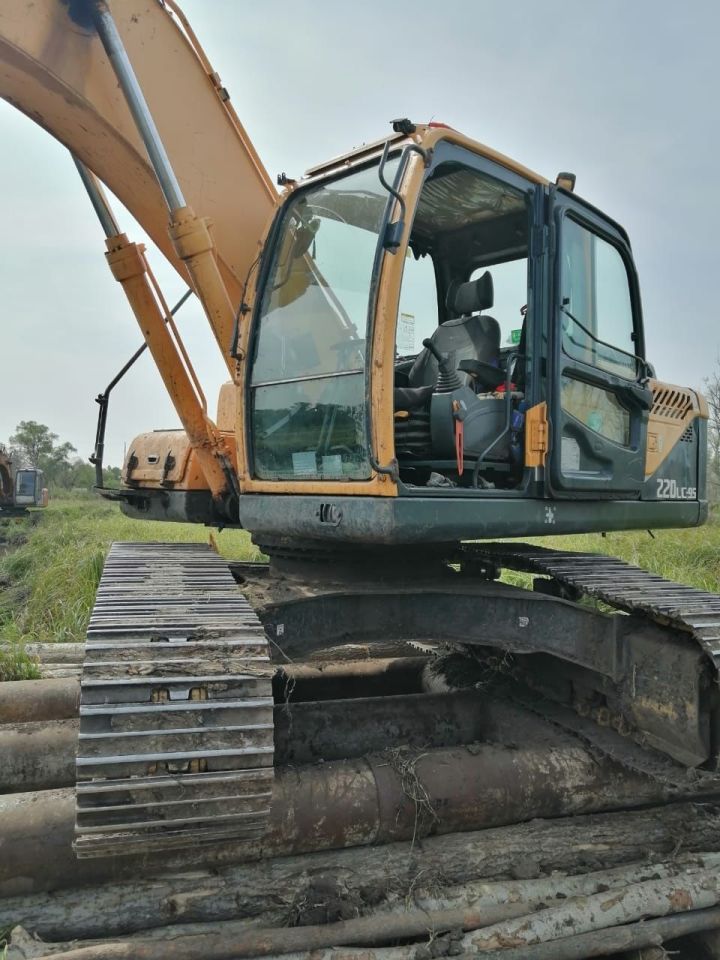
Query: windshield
(25, 483)
(308, 377)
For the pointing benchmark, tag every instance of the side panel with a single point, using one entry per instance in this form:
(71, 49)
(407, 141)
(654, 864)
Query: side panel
(675, 464)
(377, 521)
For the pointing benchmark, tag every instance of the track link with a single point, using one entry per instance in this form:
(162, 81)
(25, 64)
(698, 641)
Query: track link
(691, 613)
(620, 585)
(176, 721)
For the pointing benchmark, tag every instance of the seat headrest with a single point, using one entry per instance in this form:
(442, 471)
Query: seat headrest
(465, 298)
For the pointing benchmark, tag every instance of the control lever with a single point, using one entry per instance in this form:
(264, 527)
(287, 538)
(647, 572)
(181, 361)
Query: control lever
(447, 380)
(429, 345)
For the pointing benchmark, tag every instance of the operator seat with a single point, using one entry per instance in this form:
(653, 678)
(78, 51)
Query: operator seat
(471, 335)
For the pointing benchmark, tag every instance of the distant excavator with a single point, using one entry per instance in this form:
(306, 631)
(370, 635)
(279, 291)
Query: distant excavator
(428, 345)
(19, 489)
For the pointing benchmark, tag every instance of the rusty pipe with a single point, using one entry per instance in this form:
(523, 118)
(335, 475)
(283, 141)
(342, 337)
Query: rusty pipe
(41, 756)
(22, 701)
(342, 804)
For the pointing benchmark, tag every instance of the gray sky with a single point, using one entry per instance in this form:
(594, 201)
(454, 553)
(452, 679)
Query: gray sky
(621, 93)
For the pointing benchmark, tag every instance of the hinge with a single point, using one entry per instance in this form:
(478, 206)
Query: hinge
(221, 90)
(536, 435)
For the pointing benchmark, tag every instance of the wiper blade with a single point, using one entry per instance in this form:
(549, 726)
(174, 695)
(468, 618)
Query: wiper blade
(603, 343)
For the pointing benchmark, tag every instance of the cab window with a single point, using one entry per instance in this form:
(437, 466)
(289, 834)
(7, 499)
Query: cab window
(308, 377)
(510, 284)
(596, 305)
(418, 312)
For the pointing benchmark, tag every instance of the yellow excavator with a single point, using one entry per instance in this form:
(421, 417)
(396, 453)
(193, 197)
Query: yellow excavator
(428, 346)
(19, 489)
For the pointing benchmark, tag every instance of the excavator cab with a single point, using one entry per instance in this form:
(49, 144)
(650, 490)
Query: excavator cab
(457, 345)
(19, 489)
(29, 489)
(310, 371)
(428, 342)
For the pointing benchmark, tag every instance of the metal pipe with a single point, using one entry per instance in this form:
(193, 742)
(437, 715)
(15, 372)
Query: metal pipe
(38, 755)
(103, 399)
(115, 49)
(41, 755)
(343, 803)
(22, 701)
(97, 199)
(189, 233)
(55, 699)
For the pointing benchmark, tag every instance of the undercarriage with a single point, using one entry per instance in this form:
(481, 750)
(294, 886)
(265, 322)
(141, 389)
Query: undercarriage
(181, 669)
(400, 754)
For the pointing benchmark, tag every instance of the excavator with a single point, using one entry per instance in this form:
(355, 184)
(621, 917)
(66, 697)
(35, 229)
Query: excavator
(429, 347)
(19, 489)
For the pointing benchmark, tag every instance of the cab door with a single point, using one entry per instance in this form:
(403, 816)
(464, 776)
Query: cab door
(598, 401)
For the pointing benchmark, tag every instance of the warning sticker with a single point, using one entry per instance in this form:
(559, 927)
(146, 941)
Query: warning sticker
(304, 463)
(406, 334)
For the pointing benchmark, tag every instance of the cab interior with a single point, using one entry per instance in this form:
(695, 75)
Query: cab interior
(461, 368)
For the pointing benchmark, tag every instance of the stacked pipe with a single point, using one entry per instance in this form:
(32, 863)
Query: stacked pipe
(360, 781)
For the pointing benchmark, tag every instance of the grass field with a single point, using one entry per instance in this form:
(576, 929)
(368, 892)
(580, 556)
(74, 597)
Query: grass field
(53, 560)
(52, 566)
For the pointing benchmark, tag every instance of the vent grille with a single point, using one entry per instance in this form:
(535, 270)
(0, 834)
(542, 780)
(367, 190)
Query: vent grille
(689, 434)
(672, 404)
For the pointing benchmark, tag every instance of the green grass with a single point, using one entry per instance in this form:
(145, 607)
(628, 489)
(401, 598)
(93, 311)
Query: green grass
(53, 561)
(49, 580)
(689, 556)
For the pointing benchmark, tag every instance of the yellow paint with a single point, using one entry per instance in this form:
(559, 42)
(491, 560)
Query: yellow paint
(536, 435)
(128, 265)
(186, 474)
(674, 409)
(58, 74)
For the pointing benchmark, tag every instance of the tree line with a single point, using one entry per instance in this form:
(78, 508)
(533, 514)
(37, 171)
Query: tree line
(35, 446)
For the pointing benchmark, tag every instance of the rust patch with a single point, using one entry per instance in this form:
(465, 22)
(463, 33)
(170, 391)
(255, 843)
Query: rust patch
(680, 900)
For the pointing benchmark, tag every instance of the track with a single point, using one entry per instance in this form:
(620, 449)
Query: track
(176, 731)
(176, 726)
(621, 585)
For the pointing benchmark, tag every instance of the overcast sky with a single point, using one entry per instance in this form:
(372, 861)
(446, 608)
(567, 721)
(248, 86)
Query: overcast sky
(621, 92)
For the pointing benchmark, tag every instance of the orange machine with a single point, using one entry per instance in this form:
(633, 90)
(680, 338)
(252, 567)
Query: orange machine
(428, 344)
(19, 489)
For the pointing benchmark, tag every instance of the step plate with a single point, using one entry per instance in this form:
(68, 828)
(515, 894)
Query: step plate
(176, 708)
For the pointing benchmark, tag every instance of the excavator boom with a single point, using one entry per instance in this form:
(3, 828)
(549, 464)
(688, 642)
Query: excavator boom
(54, 69)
